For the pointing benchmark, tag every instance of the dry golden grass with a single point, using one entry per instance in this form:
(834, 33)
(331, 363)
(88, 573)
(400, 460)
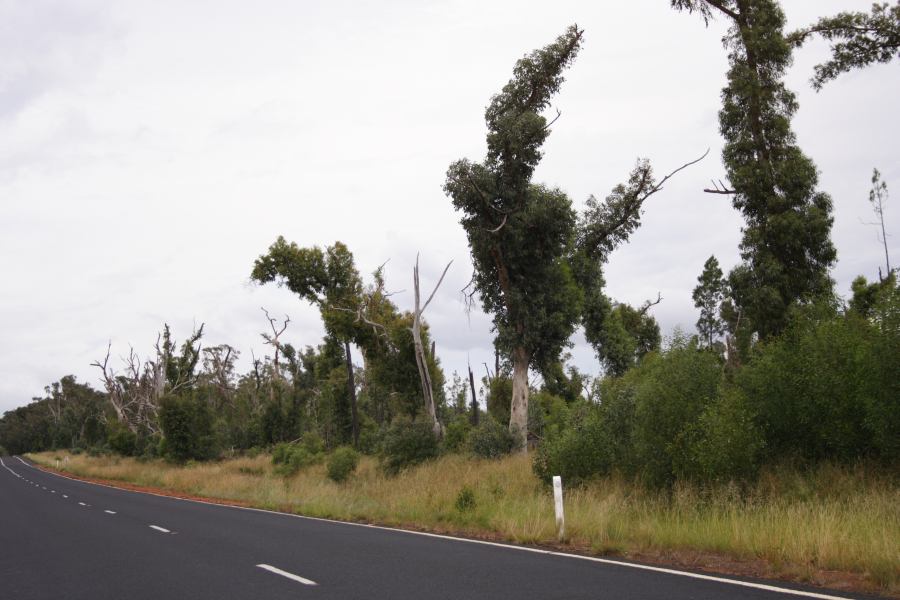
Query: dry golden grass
(834, 519)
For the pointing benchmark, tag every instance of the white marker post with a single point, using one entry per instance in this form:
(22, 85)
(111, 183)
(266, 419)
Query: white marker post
(558, 500)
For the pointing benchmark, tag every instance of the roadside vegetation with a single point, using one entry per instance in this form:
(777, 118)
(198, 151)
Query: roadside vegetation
(800, 524)
(770, 435)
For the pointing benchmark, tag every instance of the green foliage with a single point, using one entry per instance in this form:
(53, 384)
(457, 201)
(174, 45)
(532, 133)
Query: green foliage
(827, 389)
(883, 406)
(579, 453)
(726, 443)
(857, 39)
(408, 444)
(627, 335)
(456, 434)
(671, 392)
(670, 418)
(868, 296)
(499, 391)
(122, 440)
(288, 459)
(547, 413)
(708, 296)
(465, 499)
(187, 426)
(564, 382)
(786, 248)
(342, 463)
(491, 440)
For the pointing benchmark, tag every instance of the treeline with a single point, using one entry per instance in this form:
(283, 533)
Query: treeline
(780, 370)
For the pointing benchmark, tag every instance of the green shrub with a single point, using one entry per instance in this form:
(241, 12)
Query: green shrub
(547, 414)
(121, 440)
(671, 391)
(465, 499)
(187, 424)
(819, 389)
(370, 437)
(491, 439)
(456, 434)
(342, 463)
(727, 442)
(290, 458)
(408, 444)
(578, 453)
(313, 442)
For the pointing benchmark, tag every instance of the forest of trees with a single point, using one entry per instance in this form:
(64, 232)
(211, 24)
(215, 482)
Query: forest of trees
(780, 369)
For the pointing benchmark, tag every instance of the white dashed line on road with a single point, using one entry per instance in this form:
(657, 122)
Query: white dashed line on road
(158, 528)
(291, 576)
(110, 512)
(82, 504)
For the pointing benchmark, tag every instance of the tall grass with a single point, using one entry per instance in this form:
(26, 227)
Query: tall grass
(831, 519)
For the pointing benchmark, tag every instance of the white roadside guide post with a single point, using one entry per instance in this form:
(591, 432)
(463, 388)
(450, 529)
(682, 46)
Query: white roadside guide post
(558, 500)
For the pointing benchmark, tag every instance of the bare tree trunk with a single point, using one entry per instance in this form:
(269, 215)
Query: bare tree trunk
(474, 398)
(351, 387)
(518, 410)
(421, 358)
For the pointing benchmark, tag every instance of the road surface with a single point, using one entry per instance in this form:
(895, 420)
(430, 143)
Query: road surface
(63, 538)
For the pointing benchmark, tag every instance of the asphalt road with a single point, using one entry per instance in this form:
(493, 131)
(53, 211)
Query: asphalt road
(62, 538)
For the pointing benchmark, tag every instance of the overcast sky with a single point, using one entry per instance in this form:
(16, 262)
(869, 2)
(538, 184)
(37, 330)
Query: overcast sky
(152, 150)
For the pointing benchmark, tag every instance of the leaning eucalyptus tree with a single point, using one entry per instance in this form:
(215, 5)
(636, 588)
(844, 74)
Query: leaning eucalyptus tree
(786, 246)
(534, 257)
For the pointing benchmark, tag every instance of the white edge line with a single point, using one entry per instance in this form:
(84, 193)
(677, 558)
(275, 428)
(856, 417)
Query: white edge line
(606, 561)
(278, 571)
(10, 470)
(158, 528)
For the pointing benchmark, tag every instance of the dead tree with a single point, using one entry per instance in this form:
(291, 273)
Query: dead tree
(421, 358)
(474, 397)
(132, 394)
(272, 339)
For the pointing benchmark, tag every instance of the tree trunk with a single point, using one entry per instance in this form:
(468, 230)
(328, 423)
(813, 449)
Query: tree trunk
(474, 398)
(518, 410)
(421, 358)
(351, 387)
(422, 364)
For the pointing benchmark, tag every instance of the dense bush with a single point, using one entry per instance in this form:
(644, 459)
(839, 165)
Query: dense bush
(187, 425)
(828, 387)
(547, 414)
(491, 439)
(727, 443)
(670, 418)
(408, 444)
(121, 440)
(671, 391)
(288, 458)
(456, 434)
(342, 463)
(578, 453)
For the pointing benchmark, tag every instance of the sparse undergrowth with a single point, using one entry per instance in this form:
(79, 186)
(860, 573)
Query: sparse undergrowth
(800, 526)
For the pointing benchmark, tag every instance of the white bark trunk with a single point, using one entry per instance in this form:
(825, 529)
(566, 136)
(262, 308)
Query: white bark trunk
(518, 410)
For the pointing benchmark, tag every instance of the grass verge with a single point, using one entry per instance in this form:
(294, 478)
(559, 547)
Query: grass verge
(837, 527)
